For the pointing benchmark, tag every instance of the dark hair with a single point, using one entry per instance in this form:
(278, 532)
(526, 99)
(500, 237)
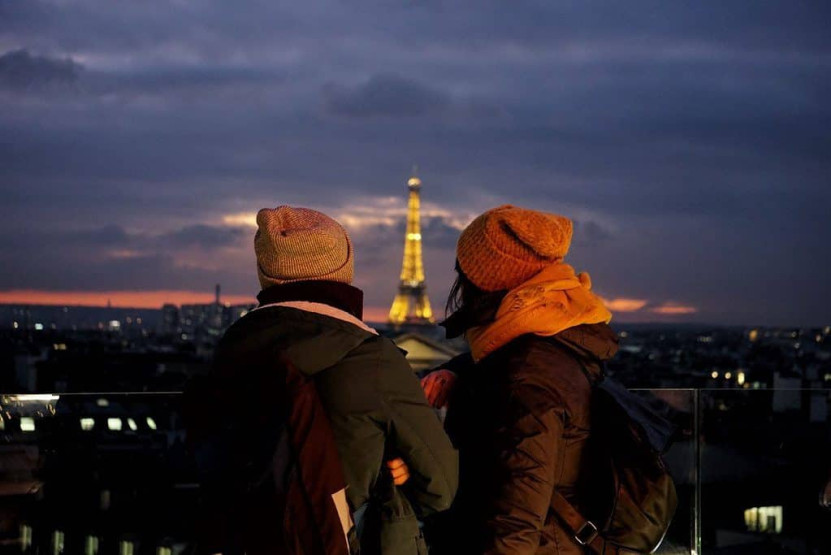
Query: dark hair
(468, 305)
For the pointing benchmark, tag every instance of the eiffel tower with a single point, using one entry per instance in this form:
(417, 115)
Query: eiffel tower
(411, 305)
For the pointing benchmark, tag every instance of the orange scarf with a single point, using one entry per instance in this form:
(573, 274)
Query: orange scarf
(552, 301)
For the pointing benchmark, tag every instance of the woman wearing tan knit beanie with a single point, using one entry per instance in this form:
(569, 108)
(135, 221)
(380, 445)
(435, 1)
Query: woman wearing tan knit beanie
(397, 462)
(518, 405)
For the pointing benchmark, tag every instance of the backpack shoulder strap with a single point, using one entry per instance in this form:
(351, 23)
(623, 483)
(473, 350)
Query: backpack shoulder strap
(583, 531)
(319, 467)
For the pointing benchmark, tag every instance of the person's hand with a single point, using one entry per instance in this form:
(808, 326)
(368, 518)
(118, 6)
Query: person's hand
(437, 387)
(399, 470)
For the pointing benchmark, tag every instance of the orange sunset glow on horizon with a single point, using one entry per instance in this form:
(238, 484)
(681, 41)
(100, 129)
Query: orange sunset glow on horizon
(155, 300)
(120, 299)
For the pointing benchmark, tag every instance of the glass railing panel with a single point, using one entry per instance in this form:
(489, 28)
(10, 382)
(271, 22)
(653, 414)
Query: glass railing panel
(94, 474)
(765, 471)
(679, 405)
(87, 473)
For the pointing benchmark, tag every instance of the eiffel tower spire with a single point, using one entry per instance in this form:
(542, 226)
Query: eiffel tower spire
(411, 305)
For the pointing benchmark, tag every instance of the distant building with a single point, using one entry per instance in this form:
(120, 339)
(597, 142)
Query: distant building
(170, 320)
(200, 324)
(411, 305)
(424, 353)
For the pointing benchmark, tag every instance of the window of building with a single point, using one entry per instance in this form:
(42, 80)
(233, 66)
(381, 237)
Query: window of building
(57, 542)
(25, 536)
(27, 424)
(91, 545)
(764, 519)
(825, 496)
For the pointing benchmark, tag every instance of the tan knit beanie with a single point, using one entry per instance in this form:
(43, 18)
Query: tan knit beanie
(506, 246)
(295, 244)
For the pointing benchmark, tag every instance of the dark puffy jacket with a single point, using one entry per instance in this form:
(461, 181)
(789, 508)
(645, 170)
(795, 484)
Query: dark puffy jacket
(375, 404)
(520, 419)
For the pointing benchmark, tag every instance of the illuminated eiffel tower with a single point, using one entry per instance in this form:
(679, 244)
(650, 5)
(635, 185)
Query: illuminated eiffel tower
(411, 305)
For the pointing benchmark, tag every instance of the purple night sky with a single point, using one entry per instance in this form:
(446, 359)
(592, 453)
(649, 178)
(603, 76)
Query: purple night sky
(690, 141)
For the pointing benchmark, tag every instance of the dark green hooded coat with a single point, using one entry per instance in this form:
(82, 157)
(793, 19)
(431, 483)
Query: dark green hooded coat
(377, 411)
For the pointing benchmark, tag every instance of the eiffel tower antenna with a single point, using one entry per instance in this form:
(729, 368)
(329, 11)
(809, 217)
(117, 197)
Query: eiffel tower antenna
(411, 305)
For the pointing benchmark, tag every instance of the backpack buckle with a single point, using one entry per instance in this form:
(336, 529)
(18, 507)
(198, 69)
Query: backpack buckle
(586, 534)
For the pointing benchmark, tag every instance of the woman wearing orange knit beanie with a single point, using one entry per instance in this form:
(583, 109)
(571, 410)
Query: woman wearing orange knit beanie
(518, 406)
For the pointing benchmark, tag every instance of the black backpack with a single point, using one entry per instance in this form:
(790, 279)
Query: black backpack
(627, 495)
(270, 476)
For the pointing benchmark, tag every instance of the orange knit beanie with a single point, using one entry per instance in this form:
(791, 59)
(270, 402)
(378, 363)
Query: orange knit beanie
(506, 246)
(295, 244)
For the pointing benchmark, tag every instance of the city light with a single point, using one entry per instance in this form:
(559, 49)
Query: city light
(87, 424)
(740, 377)
(728, 375)
(151, 423)
(714, 375)
(27, 424)
(38, 327)
(114, 424)
(132, 424)
(31, 398)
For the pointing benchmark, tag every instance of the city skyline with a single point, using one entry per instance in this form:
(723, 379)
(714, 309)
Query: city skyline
(688, 142)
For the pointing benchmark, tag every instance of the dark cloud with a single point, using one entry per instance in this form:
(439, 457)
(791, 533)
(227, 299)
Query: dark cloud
(21, 72)
(587, 232)
(384, 95)
(203, 236)
(110, 257)
(115, 236)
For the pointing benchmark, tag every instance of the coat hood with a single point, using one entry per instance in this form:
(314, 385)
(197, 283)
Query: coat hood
(312, 342)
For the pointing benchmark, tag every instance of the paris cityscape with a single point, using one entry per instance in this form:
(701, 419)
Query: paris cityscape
(91, 418)
(686, 144)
